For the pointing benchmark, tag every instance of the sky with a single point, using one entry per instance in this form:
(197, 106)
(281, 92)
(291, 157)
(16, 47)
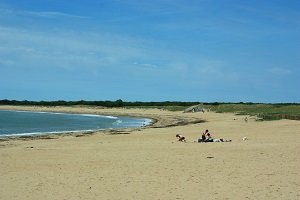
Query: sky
(158, 50)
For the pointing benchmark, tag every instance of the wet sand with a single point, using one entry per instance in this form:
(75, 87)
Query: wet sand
(148, 162)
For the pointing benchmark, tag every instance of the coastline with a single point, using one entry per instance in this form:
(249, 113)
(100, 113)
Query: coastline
(149, 163)
(157, 121)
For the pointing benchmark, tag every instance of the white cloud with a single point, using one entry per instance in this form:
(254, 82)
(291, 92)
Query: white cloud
(280, 71)
(7, 62)
(63, 48)
(42, 14)
(49, 14)
(147, 66)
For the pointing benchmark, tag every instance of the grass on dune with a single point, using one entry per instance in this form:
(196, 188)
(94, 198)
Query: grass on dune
(263, 111)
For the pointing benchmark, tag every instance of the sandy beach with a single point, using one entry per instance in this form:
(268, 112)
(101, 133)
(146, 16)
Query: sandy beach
(149, 163)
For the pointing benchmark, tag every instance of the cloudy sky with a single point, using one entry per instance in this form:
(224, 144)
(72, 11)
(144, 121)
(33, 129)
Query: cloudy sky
(158, 50)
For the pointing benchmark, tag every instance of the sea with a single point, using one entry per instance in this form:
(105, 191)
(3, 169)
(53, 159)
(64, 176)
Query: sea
(22, 123)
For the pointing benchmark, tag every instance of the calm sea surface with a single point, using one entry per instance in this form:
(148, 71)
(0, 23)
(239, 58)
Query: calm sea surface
(14, 123)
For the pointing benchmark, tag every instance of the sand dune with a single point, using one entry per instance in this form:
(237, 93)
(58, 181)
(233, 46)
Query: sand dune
(149, 163)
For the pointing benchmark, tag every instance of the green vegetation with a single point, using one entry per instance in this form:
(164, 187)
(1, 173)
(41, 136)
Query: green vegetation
(169, 108)
(264, 111)
(168, 105)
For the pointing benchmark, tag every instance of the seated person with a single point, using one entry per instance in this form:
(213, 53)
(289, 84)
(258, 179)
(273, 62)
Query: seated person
(203, 138)
(209, 138)
(206, 137)
(180, 138)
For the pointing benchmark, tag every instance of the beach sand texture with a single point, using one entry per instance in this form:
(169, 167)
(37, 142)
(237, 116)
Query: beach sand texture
(149, 163)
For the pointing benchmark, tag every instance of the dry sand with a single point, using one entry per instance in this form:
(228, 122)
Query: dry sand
(149, 163)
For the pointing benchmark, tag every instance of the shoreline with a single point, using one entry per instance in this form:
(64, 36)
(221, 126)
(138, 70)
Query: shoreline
(156, 121)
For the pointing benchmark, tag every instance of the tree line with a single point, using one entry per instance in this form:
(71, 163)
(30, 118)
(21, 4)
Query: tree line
(121, 103)
(117, 103)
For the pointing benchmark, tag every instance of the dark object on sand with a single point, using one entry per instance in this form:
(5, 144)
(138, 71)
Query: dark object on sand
(180, 138)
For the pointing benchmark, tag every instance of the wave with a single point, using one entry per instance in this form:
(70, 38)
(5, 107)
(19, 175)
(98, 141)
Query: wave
(94, 115)
(147, 122)
(58, 113)
(47, 133)
(118, 121)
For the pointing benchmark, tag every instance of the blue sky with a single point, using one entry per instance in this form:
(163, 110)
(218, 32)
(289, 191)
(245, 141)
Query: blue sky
(158, 50)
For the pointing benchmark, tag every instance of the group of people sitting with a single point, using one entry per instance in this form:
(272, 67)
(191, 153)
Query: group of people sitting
(206, 137)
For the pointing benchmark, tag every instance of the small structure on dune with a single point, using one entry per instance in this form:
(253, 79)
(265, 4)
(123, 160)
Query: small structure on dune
(196, 108)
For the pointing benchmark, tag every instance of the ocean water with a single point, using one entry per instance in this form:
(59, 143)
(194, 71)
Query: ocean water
(18, 123)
